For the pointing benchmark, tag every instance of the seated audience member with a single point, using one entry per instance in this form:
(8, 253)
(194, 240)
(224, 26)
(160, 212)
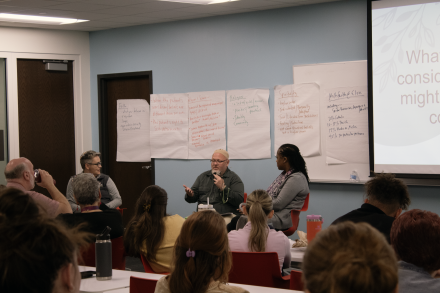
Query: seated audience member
(223, 187)
(86, 192)
(415, 236)
(91, 163)
(386, 198)
(202, 259)
(18, 205)
(151, 232)
(37, 255)
(348, 258)
(19, 174)
(256, 235)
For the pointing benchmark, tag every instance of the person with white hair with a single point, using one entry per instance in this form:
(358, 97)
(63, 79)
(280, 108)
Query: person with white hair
(223, 187)
(87, 194)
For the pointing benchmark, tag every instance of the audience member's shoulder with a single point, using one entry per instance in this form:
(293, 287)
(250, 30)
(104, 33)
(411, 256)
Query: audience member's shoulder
(175, 219)
(218, 287)
(162, 286)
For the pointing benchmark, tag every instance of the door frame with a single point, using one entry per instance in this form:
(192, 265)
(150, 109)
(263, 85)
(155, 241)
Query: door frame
(12, 101)
(102, 113)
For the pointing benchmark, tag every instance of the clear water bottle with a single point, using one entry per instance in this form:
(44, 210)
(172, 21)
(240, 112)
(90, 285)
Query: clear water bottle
(103, 255)
(354, 177)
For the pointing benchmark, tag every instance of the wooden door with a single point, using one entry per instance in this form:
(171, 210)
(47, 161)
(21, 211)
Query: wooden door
(46, 119)
(131, 178)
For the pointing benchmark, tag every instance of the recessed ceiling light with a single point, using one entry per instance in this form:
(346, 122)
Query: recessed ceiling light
(203, 2)
(38, 19)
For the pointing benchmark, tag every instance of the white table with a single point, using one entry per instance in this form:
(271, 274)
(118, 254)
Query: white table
(251, 289)
(297, 254)
(120, 279)
(120, 283)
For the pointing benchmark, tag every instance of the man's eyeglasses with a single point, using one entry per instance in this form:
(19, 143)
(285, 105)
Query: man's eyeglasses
(96, 164)
(217, 161)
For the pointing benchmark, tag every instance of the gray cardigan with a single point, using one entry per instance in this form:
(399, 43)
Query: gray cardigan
(290, 197)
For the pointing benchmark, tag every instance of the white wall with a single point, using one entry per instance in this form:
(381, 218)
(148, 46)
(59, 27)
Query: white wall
(31, 43)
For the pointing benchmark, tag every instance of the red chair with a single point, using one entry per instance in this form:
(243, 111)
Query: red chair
(258, 269)
(245, 196)
(295, 217)
(118, 255)
(296, 282)
(148, 268)
(306, 204)
(140, 285)
(121, 210)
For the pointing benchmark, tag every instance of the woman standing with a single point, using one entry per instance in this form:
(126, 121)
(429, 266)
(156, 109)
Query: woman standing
(290, 188)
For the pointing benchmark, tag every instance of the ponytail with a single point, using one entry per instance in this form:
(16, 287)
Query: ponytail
(258, 206)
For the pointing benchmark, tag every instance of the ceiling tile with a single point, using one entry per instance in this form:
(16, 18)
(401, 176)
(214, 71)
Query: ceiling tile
(146, 8)
(45, 12)
(210, 9)
(30, 3)
(172, 14)
(89, 15)
(117, 2)
(126, 18)
(79, 6)
(6, 9)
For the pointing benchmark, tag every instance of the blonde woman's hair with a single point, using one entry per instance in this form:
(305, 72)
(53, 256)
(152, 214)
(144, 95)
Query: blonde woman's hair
(350, 257)
(258, 206)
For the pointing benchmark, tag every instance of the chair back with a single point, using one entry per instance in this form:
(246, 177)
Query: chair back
(148, 268)
(296, 282)
(258, 269)
(295, 221)
(306, 204)
(118, 254)
(140, 285)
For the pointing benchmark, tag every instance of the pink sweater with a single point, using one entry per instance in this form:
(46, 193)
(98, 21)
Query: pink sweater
(276, 242)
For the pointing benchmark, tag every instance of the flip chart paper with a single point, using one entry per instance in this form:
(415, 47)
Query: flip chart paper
(248, 124)
(133, 129)
(347, 124)
(207, 123)
(169, 126)
(297, 117)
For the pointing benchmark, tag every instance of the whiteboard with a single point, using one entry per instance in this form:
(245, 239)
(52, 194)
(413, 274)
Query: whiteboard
(328, 76)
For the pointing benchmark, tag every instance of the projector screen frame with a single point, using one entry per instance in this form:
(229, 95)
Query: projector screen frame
(410, 179)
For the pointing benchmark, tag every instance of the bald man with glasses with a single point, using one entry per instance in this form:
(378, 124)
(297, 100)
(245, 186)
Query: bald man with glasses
(91, 163)
(223, 187)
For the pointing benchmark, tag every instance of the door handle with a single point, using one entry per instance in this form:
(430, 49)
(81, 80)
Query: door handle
(147, 167)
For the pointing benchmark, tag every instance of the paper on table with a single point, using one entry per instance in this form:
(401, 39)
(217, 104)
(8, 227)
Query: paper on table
(297, 117)
(347, 124)
(133, 128)
(207, 123)
(248, 124)
(169, 126)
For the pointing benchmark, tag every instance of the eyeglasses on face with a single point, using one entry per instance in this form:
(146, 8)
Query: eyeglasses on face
(217, 161)
(96, 164)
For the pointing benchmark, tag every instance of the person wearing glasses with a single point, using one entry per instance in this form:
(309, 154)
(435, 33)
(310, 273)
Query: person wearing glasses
(19, 174)
(223, 187)
(91, 163)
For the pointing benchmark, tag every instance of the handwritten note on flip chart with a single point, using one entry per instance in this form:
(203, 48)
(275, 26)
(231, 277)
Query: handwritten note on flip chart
(297, 117)
(347, 124)
(248, 124)
(133, 128)
(169, 126)
(207, 123)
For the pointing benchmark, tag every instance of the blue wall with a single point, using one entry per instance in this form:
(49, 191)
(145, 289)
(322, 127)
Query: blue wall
(250, 50)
